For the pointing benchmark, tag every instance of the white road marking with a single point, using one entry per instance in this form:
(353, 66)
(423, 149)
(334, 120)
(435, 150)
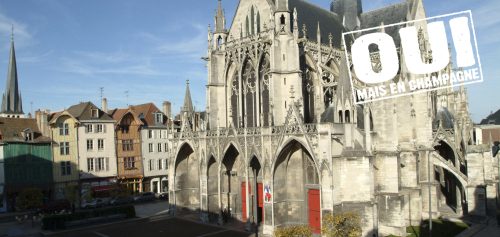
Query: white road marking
(100, 234)
(213, 233)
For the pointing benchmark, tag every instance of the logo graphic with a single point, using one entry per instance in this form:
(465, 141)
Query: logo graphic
(415, 56)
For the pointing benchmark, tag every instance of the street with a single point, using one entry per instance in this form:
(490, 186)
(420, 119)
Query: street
(154, 228)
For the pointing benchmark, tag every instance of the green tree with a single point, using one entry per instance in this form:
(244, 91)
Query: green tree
(346, 224)
(29, 199)
(71, 193)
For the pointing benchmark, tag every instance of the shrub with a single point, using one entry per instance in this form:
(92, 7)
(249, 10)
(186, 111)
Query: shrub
(294, 230)
(29, 199)
(346, 224)
(55, 222)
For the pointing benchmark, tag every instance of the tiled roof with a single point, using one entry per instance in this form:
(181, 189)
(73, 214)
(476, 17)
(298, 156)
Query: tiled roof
(144, 113)
(83, 111)
(12, 130)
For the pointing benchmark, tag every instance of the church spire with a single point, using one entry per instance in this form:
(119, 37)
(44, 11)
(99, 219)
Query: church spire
(188, 103)
(11, 101)
(282, 5)
(220, 20)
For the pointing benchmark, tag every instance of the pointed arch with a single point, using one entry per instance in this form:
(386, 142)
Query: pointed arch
(231, 176)
(186, 178)
(212, 186)
(295, 174)
(255, 187)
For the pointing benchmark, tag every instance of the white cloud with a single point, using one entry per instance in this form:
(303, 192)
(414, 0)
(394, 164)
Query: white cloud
(191, 47)
(93, 68)
(22, 35)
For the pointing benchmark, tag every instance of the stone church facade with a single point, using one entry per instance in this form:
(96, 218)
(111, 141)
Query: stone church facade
(283, 142)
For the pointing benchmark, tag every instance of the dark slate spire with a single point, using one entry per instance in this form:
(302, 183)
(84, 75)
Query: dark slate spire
(188, 103)
(220, 20)
(11, 103)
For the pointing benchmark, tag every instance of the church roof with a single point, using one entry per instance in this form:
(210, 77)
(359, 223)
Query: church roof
(387, 15)
(493, 118)
(11, 101)
(310, 15)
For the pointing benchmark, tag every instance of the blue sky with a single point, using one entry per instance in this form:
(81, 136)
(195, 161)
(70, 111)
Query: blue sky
(68, 49)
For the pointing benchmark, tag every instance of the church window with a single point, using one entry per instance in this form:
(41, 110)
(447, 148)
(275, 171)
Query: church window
(258, 22)
(264, 80)
(249, 92)
(252, 22)
(247, 24)
(340, 117)
(347, 116)
(282, 19)
(219, 41)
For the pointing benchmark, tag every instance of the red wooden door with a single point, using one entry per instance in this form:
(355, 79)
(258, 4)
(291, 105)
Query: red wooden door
(314, 210)
(260, 199)
(259, 195)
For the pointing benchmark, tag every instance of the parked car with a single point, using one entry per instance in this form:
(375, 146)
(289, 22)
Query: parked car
(162, 196)
(56, 206)
(96, 203)
(121, 200)
(145, 197)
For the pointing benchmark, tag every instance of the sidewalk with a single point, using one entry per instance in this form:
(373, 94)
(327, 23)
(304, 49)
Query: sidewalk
(491, 229)
(17, 229)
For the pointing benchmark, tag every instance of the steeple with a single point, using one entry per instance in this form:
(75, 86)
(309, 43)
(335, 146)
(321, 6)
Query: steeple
(188, 103)
(220, 20)
(11, 100)
(282, 5)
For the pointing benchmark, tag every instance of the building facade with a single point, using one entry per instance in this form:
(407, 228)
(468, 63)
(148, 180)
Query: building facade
(285, 144)
(129, 123)
(64, 134)
(27, 159)
(154, 137)
(96, 149)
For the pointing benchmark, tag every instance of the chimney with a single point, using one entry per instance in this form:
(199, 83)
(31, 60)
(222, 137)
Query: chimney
(42, 120)
(104, 105)
(167, 109)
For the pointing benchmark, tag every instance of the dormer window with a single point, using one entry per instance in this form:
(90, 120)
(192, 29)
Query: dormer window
(28, 135)
(158, 118)
(95, 113)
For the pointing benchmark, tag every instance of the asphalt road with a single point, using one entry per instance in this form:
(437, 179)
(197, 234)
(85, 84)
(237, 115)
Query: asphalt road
(154, 228)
